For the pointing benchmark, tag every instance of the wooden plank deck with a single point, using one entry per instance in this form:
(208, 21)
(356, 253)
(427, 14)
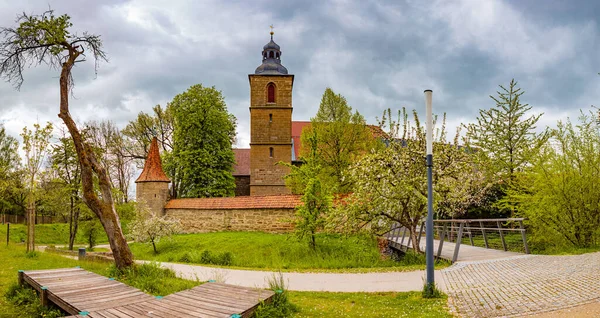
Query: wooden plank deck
(85, 294)
(466, 252)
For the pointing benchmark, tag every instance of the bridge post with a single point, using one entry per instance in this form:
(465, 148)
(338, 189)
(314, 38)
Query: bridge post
(501, 235)
(420, 234)
(458, 240)
(524, 236)
(439, 252)
(483, 232)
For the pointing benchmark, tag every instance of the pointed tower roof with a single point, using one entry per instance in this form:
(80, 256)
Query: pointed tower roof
(153, 171)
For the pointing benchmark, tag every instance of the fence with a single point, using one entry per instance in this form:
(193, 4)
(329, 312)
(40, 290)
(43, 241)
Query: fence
(457, 230)
(20, 219)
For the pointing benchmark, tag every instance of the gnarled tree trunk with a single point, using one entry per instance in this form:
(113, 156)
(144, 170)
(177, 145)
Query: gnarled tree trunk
(103, 206)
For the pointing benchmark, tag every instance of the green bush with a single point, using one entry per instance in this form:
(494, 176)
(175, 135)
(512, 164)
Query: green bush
(206, 257)
(225, 259)
(27, 299)
(280, 306)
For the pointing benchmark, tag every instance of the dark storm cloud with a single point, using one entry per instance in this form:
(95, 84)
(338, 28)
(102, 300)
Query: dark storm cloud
(378, 54)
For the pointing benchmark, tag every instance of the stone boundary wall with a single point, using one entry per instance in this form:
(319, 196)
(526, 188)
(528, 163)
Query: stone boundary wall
(272, 220)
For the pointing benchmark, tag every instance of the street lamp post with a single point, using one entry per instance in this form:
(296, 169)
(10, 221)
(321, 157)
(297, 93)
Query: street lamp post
(429, 163)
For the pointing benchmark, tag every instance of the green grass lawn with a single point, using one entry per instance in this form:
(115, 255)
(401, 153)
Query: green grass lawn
(277, 252)
(159, 282)
(47, 234)
(381, 305)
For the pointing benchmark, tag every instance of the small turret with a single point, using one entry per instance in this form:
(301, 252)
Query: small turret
(152, 187)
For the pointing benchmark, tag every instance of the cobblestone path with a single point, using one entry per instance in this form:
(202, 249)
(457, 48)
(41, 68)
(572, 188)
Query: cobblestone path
(522, 285)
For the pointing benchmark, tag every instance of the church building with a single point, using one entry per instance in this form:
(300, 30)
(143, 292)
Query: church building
(262, 201)
(274, 137)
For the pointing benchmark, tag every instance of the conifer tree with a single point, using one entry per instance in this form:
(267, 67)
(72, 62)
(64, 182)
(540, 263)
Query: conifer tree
(505, 135)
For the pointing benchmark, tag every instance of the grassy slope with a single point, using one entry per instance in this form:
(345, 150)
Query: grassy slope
(46, 234)
(277, 251)
(311, 304)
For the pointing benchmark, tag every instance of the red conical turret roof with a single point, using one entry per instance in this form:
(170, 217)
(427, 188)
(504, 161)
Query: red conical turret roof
(153, 171)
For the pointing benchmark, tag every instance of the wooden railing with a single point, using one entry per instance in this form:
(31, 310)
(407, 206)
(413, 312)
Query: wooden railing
(455, 230)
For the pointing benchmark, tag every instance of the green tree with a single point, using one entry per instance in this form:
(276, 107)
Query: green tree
(63, 159)
(316, 198)
(560, 193)
(47, 39)
(9, 166)
(35, 145)
(202, 159)
(505, 135)
(343, 137)
(391, 183)
(140, 131)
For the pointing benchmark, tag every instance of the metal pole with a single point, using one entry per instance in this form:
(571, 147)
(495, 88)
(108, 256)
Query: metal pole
(7, 232)
(429, 158)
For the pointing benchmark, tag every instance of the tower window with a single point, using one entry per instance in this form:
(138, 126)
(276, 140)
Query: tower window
(271, 54)
(277, 55)
(271, 93)
(270, 118)
(271, 152)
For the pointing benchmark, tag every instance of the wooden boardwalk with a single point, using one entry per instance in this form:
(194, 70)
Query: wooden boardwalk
(466, 253)
(85, 294)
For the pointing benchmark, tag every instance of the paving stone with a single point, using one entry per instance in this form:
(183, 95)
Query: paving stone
(522, 285)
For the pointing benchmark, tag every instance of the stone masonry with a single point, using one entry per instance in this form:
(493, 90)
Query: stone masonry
(246, 213)
(270, 133)
(264, 220)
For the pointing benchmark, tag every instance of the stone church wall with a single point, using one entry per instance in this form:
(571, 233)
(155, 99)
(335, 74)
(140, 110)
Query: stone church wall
(257, 219)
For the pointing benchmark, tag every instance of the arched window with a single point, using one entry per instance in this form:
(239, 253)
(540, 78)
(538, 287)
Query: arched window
(271, 54)
(271, 93)
(270, 118)
(277, 55)
(271, 152)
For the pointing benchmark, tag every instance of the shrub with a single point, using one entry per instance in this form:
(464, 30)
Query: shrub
(29, 302)
(206, 257)
(225, 259)
(280, 305)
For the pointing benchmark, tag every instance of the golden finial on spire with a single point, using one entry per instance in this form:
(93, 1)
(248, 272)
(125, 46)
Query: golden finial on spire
(272, 27)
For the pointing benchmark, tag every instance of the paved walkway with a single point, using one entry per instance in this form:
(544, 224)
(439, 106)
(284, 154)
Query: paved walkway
(333, 282)
(549, 286)
(522, 285)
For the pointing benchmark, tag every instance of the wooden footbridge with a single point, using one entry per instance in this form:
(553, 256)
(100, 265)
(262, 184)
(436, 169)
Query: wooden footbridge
(449, 234)
(85, 294)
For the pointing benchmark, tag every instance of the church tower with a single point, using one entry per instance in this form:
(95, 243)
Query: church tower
(270, 123)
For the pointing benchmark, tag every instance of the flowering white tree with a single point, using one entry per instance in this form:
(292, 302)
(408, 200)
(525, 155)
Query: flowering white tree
(147, 227)
(391, 183)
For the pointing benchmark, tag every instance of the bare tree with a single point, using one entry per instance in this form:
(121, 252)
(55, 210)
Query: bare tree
(46, 39)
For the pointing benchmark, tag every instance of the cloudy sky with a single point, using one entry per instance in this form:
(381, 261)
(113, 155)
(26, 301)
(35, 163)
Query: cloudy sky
(378, 54)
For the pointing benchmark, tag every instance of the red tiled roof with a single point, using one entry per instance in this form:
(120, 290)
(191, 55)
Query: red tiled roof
(242, 162)
(297, 127)
(153, 171)
(377, 131)
(245, 202)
